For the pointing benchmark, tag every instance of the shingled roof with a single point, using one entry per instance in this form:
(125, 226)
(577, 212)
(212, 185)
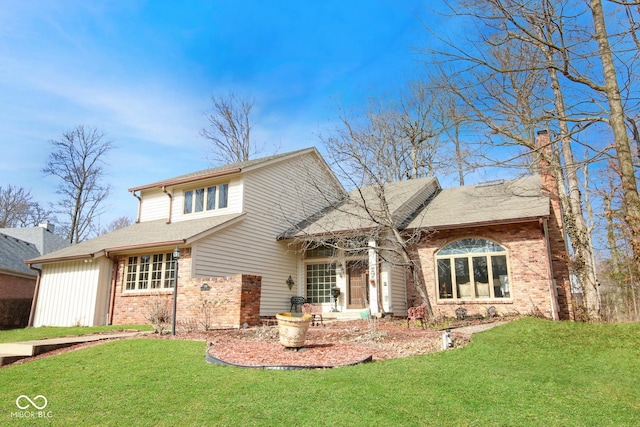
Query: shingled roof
(13, 252)
(42, 237)
(221, 170)
(364, 208)
(421, 203)
(492, 202)
(147, 234)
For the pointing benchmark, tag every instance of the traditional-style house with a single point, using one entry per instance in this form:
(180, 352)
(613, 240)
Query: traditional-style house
(223, 220)
(255, 234)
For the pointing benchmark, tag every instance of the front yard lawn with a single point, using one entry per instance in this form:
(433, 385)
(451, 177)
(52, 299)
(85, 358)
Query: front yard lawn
(529, 372)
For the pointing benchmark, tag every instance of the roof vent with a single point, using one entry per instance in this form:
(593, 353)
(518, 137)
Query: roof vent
(490, 183)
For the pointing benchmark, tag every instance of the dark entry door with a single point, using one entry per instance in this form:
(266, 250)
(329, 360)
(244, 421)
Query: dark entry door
(358, 278)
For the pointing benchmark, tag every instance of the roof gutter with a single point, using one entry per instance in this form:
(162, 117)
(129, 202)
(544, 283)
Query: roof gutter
(139, 205)
(112, 294)
(164, 190)
(185, 180)
(480, 223)
(34, 301)
(145, 246)
(59, 259)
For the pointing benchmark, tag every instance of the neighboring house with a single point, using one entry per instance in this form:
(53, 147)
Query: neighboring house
(17, 280)
(254, 234)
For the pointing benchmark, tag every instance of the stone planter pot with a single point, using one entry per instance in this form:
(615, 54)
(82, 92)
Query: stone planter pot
(292, 330)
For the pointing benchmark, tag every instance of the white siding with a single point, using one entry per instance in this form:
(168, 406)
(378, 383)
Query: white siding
(275, 197)
(73, 293)
(155, 205)
(234, 201)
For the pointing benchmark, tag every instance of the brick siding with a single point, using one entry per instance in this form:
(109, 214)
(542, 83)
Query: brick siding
(528, 270)
(234, 301)
(14, 287)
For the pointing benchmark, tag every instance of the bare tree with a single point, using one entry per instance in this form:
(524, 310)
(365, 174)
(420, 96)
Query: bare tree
(117, 224)
(18, 209)
(229, 130)
(372, 152)
(620, 275)
(77, 160)
(617, 116)
(397, 138)
(546, 39)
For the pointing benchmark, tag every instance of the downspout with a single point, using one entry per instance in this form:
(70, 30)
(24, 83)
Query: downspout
(35, 296)
(553, 290)
(164, 190)
(139, 205)
(112, 294)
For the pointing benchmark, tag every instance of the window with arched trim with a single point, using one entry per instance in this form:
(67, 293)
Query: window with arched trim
(472, 268)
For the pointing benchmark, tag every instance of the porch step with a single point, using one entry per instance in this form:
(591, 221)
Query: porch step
(340, 315)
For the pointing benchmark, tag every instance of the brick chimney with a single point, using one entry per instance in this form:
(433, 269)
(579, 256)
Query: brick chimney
(554, 229)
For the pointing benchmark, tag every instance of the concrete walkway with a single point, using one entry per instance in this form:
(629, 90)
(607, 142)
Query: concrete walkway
(472, 329)
(11, 352)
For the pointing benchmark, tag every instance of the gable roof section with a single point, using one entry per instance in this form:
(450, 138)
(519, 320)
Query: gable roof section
(13, 252)
(233, 168)
(515, 200)
(362, 208)
(44, 240)
(149, 234)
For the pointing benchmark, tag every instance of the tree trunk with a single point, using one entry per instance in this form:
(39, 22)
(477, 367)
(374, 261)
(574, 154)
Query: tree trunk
(583, 260)
(617, 123)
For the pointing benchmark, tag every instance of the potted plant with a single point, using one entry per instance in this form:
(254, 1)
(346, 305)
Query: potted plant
(292, 330)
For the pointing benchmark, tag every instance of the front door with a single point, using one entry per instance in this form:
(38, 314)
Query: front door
(358, 277)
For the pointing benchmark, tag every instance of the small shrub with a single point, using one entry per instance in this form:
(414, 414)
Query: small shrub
(14, 312)
(187, 325)
(206, 308)
(581, 313)
(158, 313)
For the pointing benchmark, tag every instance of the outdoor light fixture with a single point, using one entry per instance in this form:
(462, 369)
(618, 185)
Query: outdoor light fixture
(335, 293)
(290, 282)
(205, 287)
(176, 257)
(339, 269)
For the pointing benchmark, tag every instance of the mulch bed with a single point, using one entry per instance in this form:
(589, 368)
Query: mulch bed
(338, 343)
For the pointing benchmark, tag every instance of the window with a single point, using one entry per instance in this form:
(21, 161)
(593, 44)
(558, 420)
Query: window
(472, 269)
(210, 198)
(320, 279)
(320, 252)
(155, 271)
(223, 198)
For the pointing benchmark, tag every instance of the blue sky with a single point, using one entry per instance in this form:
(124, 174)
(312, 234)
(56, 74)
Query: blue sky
(143, 72)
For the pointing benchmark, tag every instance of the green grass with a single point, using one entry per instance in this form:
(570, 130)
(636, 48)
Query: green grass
(29, 334)
(530, 372)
